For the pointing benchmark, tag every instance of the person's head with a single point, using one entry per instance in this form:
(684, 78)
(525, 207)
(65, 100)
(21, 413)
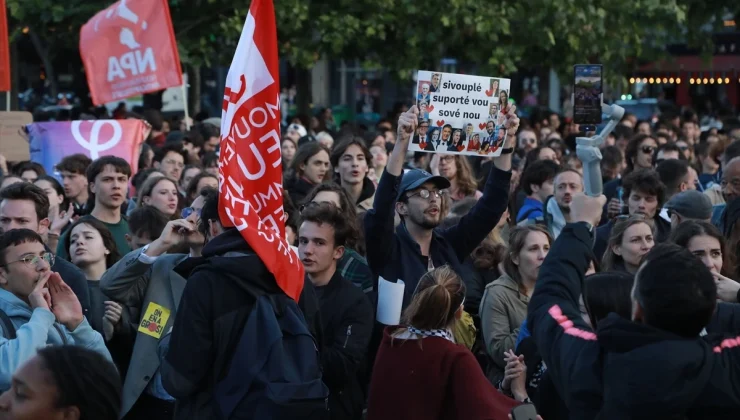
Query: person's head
(643, 127)
(160, 193)
(436, 77)
(29, 171)
(211, 136)
(23, 261)
(503, 100)
(89, 242)
(420, 198)
(425, 88)
(63, 383)
(457, 167)
(108, 179)
(145, 224)
(437, 302)
(322, 235)
(567, 183)
(210, 163)
(730, 182)
(326, 139)
(24, 206)
(689, 205)
(528, 247)
(527, 140)
(423, 129)
(446, 132)
(675, 176)
(287, 151)
(380, 156)
(690, 130)
(629, 241)
(190, 172)
(622, 136)
(611, 162)
(198, 183)
(704, 241)
(674, 291)
(53, 190)
(10, 180)
(640, 151)
(668, 151)
(311, 162)
(208, 221)
(537, 179)
(644, 192)
(605, 293)
(351, 161)
(73, 169)
(171, 159)
(332, 193)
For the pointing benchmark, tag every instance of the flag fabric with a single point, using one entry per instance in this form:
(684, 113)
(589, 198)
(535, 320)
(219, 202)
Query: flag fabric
(4, 50)
(129, 49)
(250, 168)
(51, 141)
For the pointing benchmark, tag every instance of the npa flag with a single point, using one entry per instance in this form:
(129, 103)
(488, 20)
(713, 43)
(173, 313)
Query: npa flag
(4, 50)
(129, 49)
(250, 170)
(51, 141)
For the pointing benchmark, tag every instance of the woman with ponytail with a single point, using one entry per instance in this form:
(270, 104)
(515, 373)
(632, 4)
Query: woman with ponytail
(421, 373)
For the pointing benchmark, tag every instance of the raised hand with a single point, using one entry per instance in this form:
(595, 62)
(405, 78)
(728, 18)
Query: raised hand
(407, 123)
(726, 288)
(59, 221)
(64, 303)
(40, 297)
(174, 234)
(111, 319)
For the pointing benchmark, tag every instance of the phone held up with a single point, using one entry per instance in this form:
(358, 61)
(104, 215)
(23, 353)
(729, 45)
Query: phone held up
(524, 412)
(587, 95)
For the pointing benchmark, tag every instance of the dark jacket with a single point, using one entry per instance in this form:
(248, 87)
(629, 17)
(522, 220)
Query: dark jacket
(347, 322)
(75, 279)
(625, 370)
(218, 297)
(298, 188)
(396, 255)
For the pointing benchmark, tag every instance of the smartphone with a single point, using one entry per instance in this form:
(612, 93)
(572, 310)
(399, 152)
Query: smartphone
(587, 94)
(524, 412)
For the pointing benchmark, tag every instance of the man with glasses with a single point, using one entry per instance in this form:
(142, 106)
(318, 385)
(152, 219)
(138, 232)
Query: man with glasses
(37, 307)
(146, 282)
(421, 132)
(416, 246)
(171, 159)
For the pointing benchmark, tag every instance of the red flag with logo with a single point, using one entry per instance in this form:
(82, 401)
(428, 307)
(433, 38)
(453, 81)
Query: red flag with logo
(4, 50)
(250, 169)
(129, 49)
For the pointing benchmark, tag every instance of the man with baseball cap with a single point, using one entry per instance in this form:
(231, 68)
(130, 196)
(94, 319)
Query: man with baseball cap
(416, 246)
(689, 205)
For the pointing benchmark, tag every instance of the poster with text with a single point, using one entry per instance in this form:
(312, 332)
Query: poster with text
(460, 114)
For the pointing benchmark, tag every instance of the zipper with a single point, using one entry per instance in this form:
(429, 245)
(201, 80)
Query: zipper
(349, 333)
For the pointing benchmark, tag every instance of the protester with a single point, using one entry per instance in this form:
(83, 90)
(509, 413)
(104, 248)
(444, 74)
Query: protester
(638, 155)
(199, 183)
(160, 193)
(688, 205)
(29, 171)
(351, 161)
(63, 382)
(190, 172)
(457, 170)
(556, 212)
(73, 172)
(310, 166)
(170, 160)
(537, 182)
(145, 225)
(422, 351)
(630, 240)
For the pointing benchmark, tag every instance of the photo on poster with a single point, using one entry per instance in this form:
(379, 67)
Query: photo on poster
(460, 114)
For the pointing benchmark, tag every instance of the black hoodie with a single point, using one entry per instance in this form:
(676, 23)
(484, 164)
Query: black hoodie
(625, 370)
(222, 287)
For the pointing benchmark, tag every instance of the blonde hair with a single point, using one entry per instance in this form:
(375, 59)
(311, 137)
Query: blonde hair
(610, 259)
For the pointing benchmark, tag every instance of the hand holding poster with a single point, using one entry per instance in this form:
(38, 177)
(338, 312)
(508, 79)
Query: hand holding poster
(460, 114)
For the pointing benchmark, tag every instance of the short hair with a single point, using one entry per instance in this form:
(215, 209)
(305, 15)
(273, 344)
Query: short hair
(342, 147)
(646, 181)
(623, 131)
(538, 173)
(193, 185)
(84, 379)
(98, 165)
(189, 167)
(209, 159)
(15, 237)
(108, 242)
(630, 153)
(672, 172)
(210, 209)
(675, 290)
(608, 292)
(176, 147)
(147, 220)
(670, 147)
(207, 131)
(612, 156)
(194, 137)
(141, 177)
(28, 165)
(328, 213)
(76, 164)
(30, 192)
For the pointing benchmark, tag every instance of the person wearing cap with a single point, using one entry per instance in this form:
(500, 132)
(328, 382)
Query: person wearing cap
(688, 205)
(295, 132)
(416, 246)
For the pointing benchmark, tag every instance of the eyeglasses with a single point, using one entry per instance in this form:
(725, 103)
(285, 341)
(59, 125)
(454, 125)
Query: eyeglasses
(174, 162)
(425, 194)
(187, 211)
(33, 260)
(648, 150)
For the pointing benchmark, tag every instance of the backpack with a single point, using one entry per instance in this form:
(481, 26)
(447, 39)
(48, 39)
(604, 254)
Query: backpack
(275, 372)
(8, 328)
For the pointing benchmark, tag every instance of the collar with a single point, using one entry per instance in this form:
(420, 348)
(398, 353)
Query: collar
(441, 333)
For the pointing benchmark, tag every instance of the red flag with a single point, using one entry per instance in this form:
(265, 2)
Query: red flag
(250, 169)
(129, 49)
(4, 50)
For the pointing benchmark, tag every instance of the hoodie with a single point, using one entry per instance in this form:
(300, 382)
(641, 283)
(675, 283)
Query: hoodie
(222, 287)
(624, 370)
(36, 329)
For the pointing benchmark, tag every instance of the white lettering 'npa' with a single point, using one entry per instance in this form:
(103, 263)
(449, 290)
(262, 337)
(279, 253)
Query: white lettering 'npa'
(133, 61)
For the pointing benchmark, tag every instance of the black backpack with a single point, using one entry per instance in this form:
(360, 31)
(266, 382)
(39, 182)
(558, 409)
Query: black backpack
(275, 372)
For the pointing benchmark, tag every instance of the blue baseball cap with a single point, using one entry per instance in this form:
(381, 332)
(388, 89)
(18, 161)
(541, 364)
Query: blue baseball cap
(415, 178)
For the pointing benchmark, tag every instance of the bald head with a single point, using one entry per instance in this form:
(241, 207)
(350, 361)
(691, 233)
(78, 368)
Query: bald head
(731, 180)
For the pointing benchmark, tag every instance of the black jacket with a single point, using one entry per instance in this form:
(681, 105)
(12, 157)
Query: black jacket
(298, 188)
(347, 322)
(216, 302)
(75, 279)
(396, 255)
(625, 370)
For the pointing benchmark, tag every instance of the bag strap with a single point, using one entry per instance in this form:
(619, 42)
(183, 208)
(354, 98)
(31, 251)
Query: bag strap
(7, 326)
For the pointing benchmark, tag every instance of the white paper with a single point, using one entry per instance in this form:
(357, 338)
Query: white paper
(460, 114)
(390, 301)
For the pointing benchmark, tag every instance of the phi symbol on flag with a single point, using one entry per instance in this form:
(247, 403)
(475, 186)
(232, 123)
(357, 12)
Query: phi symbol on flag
(93, 143)
(250, 168)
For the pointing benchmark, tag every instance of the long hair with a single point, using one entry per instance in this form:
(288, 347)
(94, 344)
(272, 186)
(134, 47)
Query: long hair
(610, 260)
(304, 153)
(517, 240)
(108, 242)
(466, 183)
(686, 231)
(608, 292)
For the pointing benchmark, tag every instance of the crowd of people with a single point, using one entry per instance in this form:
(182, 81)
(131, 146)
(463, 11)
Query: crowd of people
(122, 295)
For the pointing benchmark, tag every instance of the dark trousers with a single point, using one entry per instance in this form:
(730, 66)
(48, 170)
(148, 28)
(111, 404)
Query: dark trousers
(148, 407)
